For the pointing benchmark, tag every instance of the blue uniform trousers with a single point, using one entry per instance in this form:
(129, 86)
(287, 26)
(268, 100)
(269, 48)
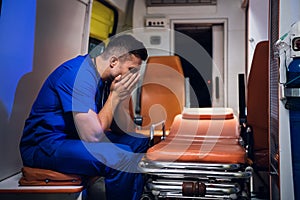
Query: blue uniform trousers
(116, 159)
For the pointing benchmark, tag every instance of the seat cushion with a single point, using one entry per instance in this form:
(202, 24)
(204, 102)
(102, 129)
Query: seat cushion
(42, 177)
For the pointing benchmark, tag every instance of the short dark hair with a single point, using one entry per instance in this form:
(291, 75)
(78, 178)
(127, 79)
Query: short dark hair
(124, 45)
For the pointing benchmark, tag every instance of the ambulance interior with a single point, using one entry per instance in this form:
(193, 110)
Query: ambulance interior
(218, 95)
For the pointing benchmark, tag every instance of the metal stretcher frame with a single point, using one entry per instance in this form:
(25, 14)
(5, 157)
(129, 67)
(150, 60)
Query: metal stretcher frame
(174, 189)
(180, 179)
(166, 179)
(222, 170)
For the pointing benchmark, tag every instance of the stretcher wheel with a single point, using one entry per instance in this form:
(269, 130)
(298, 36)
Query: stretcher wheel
(193, 189)
(147, 197)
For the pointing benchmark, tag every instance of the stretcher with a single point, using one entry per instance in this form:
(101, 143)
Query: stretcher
(201, 158)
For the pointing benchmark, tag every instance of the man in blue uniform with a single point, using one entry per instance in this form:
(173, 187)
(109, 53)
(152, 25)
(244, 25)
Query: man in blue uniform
(69, 128)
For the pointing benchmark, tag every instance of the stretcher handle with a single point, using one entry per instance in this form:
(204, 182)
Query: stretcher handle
(152, 131)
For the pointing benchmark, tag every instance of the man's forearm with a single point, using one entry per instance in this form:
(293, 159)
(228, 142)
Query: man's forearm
(106, 113)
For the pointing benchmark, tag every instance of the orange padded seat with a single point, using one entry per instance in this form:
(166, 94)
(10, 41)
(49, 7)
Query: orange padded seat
(162, 92)
(258, 104)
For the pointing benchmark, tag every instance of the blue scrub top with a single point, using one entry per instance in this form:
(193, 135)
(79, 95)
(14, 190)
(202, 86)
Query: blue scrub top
(70, 88)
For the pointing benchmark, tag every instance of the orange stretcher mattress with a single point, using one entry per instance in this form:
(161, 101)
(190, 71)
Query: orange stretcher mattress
(201, 135)
(208, 113)
(182, 151)
(218, 129)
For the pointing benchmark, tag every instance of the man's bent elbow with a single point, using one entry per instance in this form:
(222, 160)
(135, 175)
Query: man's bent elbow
(94, 137)
(88, 126)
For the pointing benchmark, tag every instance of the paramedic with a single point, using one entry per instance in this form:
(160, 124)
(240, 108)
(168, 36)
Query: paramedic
(69, 127)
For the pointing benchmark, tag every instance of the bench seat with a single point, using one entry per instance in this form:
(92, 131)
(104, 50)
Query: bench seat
(10, 189)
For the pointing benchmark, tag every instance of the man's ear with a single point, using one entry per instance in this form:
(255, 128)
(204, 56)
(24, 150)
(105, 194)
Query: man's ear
(113, 61)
